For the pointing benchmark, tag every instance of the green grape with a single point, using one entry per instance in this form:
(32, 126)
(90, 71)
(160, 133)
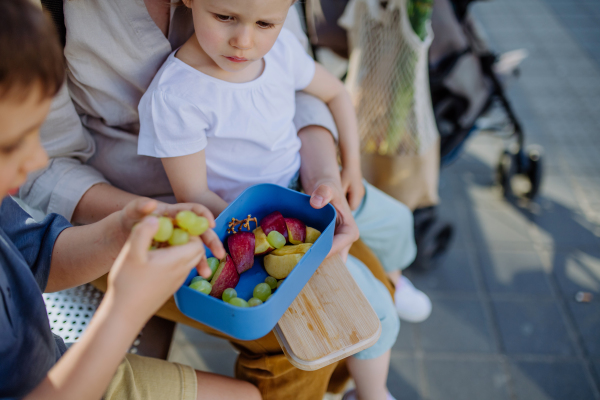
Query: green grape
(202, 286)
(262, 291)
(269, 297)
(253, 302)
(213, 264)
(165, 229)
(236, 301)
(185, 219)
(229, 294)
(279, 283)
(276, 239)
(196, 279)
(199, 226)
(179, 237)
(272, 282)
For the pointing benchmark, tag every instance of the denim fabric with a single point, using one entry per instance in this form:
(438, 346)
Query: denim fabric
(28, 349)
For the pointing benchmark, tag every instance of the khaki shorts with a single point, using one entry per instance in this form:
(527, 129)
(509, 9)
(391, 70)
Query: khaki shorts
(144, 378)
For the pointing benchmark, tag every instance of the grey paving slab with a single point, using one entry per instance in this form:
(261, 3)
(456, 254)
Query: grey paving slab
(587, 320)
(496, 229)
(403, 380)
(455, 274)
(564, 228)
(532, 327)
(465, 380)
(405, 343)
(550, 380)
(577, 270)
(596, 363)
(456, 326)
(515, 272)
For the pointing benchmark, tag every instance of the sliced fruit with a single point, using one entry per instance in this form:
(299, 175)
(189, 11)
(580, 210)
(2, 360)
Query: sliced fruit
(311, 235)
(292, 249)
(274, 222)
(280, 266)
(296, 230)
(261, 244)
(225, 277)
(241, 249)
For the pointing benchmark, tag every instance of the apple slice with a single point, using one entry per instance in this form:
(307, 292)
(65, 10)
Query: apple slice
(296, 230)
(225, 277)
(295, 249)
(311, 235)
(261, 244)
(274, 222)
(241, 248)
(279, 267)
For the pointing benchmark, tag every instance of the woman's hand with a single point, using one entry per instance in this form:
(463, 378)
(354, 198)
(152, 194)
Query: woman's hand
(352, 185)
(136, 210)
(346, 230)
(141, 280)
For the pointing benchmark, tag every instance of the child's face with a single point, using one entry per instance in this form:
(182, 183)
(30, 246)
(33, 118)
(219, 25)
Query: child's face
(235, 33)
(20, 149)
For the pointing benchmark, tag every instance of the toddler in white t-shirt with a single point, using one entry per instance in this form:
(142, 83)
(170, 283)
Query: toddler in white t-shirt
(219, 113)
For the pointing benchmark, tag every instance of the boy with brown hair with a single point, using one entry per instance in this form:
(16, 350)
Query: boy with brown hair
(52, 255)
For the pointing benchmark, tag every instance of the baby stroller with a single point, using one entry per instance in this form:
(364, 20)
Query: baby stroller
(465, 83)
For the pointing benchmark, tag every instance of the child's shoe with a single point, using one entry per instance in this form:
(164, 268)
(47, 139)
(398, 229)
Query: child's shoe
(412, 304)
(351, 395)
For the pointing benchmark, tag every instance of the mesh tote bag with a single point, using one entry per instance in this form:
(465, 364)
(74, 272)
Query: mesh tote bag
(389, 83)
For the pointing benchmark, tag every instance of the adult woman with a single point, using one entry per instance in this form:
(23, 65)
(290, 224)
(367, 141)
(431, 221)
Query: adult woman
(113, 49)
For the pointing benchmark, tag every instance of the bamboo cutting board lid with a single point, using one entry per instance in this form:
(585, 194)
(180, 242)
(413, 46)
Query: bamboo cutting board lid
(329, 320)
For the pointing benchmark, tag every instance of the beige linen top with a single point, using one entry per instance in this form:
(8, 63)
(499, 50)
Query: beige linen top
(113, 50)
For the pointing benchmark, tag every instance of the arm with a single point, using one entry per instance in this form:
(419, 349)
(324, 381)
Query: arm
(84, 253)
(87, 367)
(188, 189)
(60, 187)
(331, 90)
(320, 177)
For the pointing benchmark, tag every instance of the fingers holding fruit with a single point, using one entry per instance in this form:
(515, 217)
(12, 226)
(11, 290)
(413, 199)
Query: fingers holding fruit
(346, 231)
(137, 268)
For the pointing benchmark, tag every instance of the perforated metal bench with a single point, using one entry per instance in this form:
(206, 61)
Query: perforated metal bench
(70, 312)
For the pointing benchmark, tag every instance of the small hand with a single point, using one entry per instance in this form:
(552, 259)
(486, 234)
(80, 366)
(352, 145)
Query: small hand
(138, 209)
(353, 187)
(346, 231)
(142, 279)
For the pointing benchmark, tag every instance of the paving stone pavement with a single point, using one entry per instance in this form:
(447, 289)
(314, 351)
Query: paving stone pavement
(505, 323)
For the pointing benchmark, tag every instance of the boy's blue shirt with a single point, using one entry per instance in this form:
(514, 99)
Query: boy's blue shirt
(28, 349)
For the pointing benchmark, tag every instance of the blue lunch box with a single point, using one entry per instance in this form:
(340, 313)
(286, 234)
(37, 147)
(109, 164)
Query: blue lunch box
(255, 322)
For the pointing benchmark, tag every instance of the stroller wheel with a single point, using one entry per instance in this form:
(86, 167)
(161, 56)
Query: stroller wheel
(534, 171)
(507, 168)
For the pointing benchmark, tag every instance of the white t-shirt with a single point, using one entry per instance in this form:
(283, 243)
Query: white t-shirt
(246, 129)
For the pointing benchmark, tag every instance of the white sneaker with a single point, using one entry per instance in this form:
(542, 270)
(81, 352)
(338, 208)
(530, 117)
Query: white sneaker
(412, 304)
